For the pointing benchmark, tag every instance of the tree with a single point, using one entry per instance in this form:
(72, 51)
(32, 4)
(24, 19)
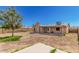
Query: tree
(58, 23)
(11, 18)
(2, 27)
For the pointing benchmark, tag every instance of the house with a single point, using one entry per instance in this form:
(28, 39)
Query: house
(58, 28)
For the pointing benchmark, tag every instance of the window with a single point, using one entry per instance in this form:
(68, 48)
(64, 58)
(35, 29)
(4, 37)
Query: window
(57, 29)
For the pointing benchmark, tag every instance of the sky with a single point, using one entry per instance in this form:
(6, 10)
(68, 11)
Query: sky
(47, 14)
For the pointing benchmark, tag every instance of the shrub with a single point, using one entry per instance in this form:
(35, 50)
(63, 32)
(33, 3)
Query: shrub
(53, 51)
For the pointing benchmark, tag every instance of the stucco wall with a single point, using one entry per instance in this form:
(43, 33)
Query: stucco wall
(51, 29)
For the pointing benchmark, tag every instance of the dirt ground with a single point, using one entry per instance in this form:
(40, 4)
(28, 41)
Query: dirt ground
(67, 43)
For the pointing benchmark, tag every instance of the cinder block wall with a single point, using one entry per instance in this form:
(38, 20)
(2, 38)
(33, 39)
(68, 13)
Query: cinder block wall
(73, 30)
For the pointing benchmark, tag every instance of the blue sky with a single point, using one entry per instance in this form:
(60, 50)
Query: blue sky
(48, 14)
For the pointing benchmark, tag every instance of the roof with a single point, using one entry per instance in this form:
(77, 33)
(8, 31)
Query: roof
(53, 25)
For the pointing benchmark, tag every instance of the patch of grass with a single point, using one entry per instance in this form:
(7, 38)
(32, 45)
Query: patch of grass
(9, 38)
(53, 51)
(64, 50)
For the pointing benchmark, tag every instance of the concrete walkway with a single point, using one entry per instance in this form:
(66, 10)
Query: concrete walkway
(39, 48)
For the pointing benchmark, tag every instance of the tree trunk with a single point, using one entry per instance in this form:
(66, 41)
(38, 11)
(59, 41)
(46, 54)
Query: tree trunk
(12, 31)
(2, 30)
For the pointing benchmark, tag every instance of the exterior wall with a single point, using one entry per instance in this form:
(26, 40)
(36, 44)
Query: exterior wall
(73, 30)
(41, 30)
(65, 29)
(60, 30)
(37, 27)
(51, 29)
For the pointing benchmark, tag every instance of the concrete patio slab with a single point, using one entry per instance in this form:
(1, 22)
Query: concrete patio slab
(39, 48)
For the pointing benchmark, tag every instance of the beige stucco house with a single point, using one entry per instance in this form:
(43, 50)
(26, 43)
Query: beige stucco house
(57, 28)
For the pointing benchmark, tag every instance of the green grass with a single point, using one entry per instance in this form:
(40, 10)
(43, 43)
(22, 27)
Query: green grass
(9, 38)
(53, 51)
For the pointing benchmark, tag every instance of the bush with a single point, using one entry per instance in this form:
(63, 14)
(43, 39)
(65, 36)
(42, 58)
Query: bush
(53, 51)
(9, 38)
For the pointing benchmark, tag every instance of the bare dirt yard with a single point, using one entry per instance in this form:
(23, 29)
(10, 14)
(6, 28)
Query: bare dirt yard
(67, 43)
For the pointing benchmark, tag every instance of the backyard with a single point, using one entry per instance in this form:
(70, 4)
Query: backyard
(66, 43)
